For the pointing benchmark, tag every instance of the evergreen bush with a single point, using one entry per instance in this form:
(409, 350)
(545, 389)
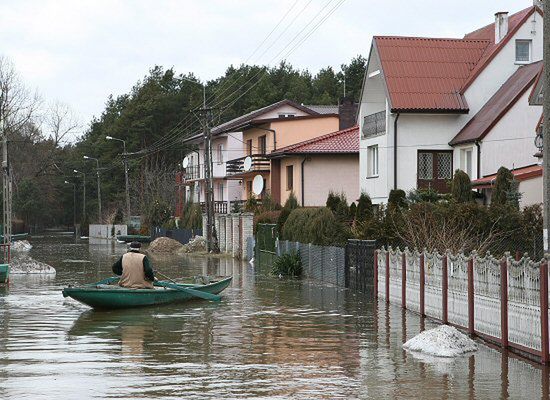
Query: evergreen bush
(289, 264)
(315, 225)
(397, 199)
(503, 185)
(364, 207)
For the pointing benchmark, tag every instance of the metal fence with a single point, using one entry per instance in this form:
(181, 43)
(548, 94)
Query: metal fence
(499, 300)
(181, 235)
(360, 264)
(324, 264)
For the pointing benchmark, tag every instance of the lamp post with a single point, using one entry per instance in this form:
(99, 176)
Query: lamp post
(98, 189)
(74, 204)
(125, 175)
(83, 193)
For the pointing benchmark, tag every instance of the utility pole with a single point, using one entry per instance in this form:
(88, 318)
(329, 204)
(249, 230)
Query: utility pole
(546, 124)
(83, 193)
(125, 155)
(74, 204)
(7, 189)
(98, 189)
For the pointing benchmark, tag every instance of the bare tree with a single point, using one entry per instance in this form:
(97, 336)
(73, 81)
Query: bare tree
(61, 122)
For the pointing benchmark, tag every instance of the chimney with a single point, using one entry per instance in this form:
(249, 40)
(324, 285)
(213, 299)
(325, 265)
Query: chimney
(347, 113)
(539, 4)
(501, 25)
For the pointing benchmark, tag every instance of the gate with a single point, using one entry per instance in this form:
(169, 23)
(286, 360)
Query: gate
(266, 244)
(359, 271)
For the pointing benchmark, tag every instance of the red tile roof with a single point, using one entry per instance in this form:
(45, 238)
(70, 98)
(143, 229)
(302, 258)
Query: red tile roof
(504, 98)
(521, 174)
(431, 74)
(345, 141)
(426, 75)
(515, 21)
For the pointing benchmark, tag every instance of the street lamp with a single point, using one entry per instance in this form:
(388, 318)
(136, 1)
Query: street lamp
(83, 194)
(98, 189)
(74, 204)
(125, 175)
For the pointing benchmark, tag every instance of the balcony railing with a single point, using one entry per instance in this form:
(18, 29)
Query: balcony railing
(259, 163)
(220, 207)
(192, 172)
(374, 124)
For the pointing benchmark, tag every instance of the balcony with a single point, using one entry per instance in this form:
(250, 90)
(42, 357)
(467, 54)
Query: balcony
(374, 124)
(192, 172)
(220, 207)
(236, 167)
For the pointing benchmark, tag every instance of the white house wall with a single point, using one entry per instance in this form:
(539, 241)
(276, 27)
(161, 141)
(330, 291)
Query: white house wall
(531, 190)
(511, 141)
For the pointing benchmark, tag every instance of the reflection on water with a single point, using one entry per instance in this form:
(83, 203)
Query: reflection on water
(268, 338)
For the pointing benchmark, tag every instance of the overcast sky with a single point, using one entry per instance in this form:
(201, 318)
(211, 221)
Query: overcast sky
(79, 52)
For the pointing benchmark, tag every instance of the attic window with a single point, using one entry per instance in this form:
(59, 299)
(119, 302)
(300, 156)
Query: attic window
(523, 51)
(286, 115)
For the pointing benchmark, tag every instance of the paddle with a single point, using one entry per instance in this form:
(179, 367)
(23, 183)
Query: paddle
(193, 292)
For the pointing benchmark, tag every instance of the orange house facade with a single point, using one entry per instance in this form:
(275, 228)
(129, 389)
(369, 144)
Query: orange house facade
(263, 137)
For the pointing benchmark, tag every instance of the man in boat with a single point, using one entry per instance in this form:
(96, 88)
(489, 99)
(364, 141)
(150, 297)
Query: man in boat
(135, 269)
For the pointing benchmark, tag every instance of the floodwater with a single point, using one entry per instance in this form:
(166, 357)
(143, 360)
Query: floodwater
(268, 338)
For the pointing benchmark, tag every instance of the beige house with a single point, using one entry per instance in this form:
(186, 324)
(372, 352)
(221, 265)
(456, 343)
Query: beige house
(315, 167)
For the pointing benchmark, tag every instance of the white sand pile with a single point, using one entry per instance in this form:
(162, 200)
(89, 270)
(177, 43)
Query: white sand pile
(164, 245)
(21, 245)
(196, 244)
(443, 341)
(28, 265)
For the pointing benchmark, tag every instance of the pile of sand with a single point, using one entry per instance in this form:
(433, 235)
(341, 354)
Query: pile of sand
(21, 245)
(25, 265)
(164, 245)
(195, 245)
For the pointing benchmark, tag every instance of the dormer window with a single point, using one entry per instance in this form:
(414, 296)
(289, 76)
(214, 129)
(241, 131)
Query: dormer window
(523, 51)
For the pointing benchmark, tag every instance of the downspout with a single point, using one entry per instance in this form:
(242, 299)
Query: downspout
(478, 145)
(395, 151)
(303, 185)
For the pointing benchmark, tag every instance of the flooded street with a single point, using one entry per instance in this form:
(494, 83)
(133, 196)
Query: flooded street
(268, 338)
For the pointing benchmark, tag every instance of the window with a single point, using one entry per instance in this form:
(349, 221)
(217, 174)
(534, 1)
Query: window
(466, 161)
(220, 154)
(286, 115)
(249, 147)
(262, 144)
(220, 191)
(289, 177)
(372, 160)
(523, 51)
(434, 169)
(249, 188)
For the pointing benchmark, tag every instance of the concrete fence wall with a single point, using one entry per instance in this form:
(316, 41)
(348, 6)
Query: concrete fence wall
(233, 232)
(106, 231)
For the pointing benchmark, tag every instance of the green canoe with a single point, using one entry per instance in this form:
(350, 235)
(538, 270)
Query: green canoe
(134, 238)
(4, 273)
(103, 296)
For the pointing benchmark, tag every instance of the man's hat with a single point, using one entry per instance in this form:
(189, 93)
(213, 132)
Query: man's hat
(135, 246)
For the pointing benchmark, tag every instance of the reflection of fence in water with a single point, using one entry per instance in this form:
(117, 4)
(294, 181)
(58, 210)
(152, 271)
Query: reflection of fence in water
(499, 300)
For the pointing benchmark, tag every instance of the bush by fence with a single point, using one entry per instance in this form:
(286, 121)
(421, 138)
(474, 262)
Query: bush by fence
(499, 300)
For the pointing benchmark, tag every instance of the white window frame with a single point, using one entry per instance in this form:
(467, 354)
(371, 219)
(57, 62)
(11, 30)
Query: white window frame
(220, 153)
(467, 165)
(287, 115)
(372, 161)
(220, 191)
(529, 43)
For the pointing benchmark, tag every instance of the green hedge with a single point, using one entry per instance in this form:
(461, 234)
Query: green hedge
(316, 225)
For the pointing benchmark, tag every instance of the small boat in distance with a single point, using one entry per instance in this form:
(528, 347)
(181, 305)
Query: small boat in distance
(134, 238)
(4, 273)
(107, 295)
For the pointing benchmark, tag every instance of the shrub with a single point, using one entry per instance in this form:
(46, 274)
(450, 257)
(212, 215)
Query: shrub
(158, 212)
(503, 185)
(397, 199)
(192, 216)
(364, 207)
(292, 202)
(289, 264)
(315, 225)
(461, 187)
(352, 211)
(332, 201)
(423, 196)
(267, 217)
(251, 205)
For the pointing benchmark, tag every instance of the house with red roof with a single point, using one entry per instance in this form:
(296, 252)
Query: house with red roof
(313, 168)
(430, 106)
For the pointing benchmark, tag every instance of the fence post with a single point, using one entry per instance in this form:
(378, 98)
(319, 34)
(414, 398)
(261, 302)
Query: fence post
(504, 302)
(309, 260)
(544, 312)
(375, 273)
(422, 277)
(388, 276)
(346, 265)
(445, 289)
(471, 327)
(404, 281)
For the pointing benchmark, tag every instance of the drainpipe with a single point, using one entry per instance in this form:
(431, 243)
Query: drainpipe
(395, 151)
(303, 185)
(478, 145)
(274, 135)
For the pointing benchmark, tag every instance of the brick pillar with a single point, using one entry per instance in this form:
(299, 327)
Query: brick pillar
(222, 218)
(204, 225)
(247, 231)
(229, 233)
(235, 250)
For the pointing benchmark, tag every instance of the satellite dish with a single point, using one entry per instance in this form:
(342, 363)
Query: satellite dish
(247, 164)
(258, 185)
(185, 162)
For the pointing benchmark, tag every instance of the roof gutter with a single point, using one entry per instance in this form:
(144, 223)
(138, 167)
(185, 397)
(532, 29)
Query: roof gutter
(478, 145)
(395, 151)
